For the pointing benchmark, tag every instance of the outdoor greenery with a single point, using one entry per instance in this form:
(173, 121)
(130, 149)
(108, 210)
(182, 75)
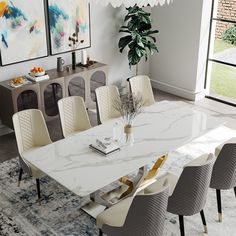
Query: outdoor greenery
(223, 78)
(221, 45)
(223, 81)
(140, 36)
(229, 35)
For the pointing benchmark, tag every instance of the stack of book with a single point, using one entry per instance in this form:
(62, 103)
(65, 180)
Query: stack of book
(105, 148)
(37, 78)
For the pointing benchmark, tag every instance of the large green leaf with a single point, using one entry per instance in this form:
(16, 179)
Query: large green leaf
(150, 32)
(124, 41)
(124, 31)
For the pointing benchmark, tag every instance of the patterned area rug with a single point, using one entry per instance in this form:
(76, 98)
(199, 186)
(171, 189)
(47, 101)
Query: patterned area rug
(60, 212)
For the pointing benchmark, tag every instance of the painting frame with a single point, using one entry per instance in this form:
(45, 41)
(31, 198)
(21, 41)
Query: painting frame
(46, 36)
(69, 50)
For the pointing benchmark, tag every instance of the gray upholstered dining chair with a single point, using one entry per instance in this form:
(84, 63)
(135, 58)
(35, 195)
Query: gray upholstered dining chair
(138, 215)
(188, 193)
(105, 98)
(224, 171)
(31, 133)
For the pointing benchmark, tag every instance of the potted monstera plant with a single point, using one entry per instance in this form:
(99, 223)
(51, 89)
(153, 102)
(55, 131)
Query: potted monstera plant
(139, 38)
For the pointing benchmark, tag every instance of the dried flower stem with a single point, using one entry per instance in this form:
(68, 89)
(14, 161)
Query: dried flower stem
(129, 106)
(74, 41)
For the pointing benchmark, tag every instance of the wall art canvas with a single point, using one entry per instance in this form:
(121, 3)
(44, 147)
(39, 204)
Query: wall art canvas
(22, 30)
(68, 17)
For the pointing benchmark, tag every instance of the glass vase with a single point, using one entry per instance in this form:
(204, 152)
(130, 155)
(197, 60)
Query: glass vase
(129, 137)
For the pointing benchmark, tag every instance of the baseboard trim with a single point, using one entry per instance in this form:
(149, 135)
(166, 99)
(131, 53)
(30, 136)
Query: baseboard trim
(184, 93)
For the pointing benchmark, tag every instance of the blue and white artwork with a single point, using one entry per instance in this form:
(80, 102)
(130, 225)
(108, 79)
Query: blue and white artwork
(22, 31)
(68, 17)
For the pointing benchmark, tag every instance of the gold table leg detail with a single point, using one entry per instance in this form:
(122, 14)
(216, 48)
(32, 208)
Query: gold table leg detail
(130, 185)
(205, 229)
(220, 217)
(39, 202)
(158, 164)
(151, 174)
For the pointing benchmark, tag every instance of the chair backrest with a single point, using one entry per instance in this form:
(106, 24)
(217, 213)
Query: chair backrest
(224, 169)
(141, 85)
(105, 98)
(146, 215)
(189, 196)
(73, 115)
(30, 130)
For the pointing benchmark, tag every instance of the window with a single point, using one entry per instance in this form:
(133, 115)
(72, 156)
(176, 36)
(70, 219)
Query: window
(221, 72)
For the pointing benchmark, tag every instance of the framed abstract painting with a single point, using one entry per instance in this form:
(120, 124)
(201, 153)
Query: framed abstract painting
(67, 19)
(23, 31)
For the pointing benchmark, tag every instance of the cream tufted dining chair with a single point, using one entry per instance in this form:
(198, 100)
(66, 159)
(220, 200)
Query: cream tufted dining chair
(105, 98)
(31, 132)
(73, 115)
(188, 192)
(141, 85)
(224, 171)
(143, 214)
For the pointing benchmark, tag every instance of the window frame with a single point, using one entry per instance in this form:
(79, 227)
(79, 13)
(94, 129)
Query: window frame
(216, 19)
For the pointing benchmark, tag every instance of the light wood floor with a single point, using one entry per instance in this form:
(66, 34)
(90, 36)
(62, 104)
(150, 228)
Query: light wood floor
(8, 148)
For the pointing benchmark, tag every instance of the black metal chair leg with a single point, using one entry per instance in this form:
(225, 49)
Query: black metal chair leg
(181, 225)
(235, 191)
(100, 232)
(38, 191)
(218, 196)
(20, 176)
(204, 221)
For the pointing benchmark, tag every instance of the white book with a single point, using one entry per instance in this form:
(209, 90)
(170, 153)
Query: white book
(37, 78)
(105, 148)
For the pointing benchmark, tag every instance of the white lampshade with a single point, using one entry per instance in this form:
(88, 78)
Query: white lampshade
(131, 3)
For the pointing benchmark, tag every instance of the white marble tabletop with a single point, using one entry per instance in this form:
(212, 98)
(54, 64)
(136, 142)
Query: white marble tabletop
(159, 129)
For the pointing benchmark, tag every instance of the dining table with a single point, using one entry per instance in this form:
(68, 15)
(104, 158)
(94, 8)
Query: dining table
(159, 129)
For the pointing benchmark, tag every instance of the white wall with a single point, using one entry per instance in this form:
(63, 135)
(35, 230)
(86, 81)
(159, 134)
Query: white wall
(105, 24)
(179, 67)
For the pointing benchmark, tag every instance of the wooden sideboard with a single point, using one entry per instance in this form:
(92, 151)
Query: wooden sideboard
(44, 95)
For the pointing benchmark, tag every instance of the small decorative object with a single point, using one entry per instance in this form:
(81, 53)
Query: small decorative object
(139, 38)
(66, 17)
(17, 82)
(84, 57)
(88, 60)
(73, 60)
(60, 63)
(37, 74)
(116, 132)
(74, 44)
(105, 146)
(88, 64)
(129, 106)
(37, 71)
(68, 68)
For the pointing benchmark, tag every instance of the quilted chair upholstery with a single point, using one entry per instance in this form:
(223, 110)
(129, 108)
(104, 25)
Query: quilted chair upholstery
(136, 216)
(73, 115)
(31, 132)
(105, 97)
(190, 191)
(224, 172)
(141, 85)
